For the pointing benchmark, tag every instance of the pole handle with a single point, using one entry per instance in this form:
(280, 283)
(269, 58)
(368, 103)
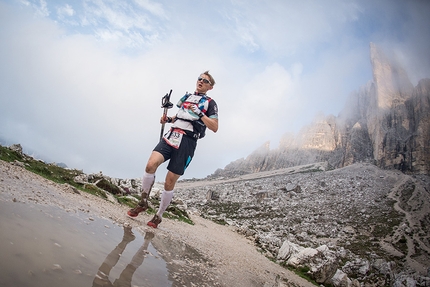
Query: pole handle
(165, 104)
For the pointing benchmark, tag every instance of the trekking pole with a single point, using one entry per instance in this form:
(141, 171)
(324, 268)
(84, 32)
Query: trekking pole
(166, 104)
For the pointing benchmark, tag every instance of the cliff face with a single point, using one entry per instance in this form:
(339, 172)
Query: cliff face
(386, 122)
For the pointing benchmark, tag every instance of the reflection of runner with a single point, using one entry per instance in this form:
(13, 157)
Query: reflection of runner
(102, 276)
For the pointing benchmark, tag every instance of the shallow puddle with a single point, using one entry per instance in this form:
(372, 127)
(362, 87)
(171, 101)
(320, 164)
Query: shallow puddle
(47, 246)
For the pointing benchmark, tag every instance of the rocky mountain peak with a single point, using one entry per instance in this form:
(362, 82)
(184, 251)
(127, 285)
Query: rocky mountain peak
(386, 123)
(391, 81)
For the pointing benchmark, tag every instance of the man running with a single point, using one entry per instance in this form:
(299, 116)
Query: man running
(196, 112)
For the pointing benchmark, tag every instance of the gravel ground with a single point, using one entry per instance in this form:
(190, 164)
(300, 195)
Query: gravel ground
(234, 260)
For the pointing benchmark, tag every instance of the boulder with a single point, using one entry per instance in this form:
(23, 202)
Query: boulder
(302, 257)
(287, 249)
(340, 279)
(17, 148)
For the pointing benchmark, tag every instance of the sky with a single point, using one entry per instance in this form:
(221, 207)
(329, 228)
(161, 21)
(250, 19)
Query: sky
(81, 81)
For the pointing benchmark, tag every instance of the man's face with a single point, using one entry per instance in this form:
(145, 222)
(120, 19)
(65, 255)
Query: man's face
(203, 84)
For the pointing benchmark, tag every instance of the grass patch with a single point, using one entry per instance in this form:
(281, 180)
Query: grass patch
(360, 245)
(94, 190)
(303, 272)
(402, 245)
(50, 171)
(173, 212)
(9, 155)
(127, 201)
(228, 208)
(219, 221)
(108, 186)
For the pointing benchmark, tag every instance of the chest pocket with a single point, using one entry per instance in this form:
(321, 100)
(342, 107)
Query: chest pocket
(194, 99)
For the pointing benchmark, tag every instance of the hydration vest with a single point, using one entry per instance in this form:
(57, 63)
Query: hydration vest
(186, 114)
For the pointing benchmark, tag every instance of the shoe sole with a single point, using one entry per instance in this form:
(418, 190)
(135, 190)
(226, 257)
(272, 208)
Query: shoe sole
(132, 214)
(153, 225)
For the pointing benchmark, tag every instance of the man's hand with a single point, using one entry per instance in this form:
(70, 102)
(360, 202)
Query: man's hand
(196, 110)
(165, 119)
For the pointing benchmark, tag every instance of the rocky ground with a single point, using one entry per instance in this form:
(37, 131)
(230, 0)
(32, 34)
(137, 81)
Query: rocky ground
(355, 226)
(230, 258)
(359, 225)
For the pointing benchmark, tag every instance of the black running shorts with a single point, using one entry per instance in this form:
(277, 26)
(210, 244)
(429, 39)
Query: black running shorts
(179, 158)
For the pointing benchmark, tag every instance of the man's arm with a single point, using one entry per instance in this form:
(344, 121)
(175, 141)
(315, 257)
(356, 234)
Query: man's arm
(211, 124)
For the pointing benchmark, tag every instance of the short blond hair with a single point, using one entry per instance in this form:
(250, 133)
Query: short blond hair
(210, 77)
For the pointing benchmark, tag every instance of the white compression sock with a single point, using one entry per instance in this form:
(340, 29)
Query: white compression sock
(147, 182)
(166, 198)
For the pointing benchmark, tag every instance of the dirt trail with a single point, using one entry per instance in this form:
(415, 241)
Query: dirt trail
(290, 170)
(235, 259)
(411, 195)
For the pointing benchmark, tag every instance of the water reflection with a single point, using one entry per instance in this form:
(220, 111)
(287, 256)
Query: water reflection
(124, 280)
(46, 246)
(43, 246)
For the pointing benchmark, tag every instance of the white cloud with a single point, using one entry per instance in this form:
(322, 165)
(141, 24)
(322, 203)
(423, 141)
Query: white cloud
(122, 24)
(39, 6)
(153, 7)
(65, 11)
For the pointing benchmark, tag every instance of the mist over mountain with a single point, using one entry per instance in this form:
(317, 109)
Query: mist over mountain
(386, 123)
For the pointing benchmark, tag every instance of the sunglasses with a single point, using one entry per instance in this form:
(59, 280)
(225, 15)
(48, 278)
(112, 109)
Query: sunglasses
(204, 80)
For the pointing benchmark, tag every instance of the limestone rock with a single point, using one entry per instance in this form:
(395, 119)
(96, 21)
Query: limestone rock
(287, 249)
(340, 279)
(17, 148)
(387, 122)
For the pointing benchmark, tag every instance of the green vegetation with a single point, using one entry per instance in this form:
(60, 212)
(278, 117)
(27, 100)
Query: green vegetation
(229, 208)
(108, 186)
(220, 221)
(9, 155)
(303, 272)
(173, 212)
(48, 171)
(383, 226)
(95, 191)
(402, 245)
(127, 201)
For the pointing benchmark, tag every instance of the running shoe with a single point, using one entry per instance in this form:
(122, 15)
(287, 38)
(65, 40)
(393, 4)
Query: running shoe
(154, 221)
(142, 206)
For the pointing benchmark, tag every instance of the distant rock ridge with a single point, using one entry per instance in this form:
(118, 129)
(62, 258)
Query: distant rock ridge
(386, 122)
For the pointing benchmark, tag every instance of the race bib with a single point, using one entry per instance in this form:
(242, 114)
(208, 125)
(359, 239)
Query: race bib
(174, 138)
